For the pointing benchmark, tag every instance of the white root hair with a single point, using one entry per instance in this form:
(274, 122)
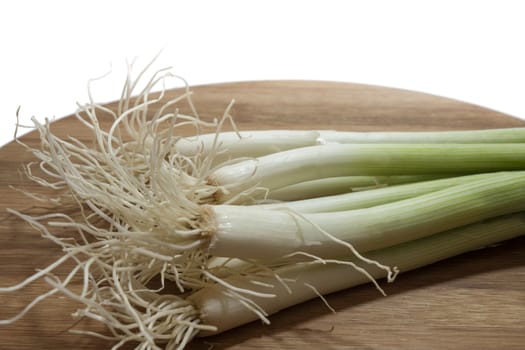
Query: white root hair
(138, 218)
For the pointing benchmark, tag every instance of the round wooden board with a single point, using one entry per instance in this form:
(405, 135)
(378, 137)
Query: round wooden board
(476, 301)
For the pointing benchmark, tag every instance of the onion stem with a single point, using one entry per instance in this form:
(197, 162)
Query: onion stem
(277, 233)
(226, 313)
(309, 163)
(343, 184)
(366, 199)
(255, 143)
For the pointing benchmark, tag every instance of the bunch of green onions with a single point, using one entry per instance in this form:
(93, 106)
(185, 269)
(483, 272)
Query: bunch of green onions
(239, 225)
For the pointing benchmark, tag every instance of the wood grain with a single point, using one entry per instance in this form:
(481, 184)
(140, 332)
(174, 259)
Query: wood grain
(476, 301)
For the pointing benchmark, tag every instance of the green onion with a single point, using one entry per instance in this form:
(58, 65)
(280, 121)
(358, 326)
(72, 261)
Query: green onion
(309, 163)
(274, 234)
(255, 143)
(343, 184)
(223, 312)
(365, 199)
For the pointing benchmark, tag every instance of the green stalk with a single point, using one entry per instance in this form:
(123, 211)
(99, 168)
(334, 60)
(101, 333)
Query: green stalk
(309, 163)
(255, 143)
(274, 234)
(370, 198)
(506, 135)
(227, 312)
(343, 184)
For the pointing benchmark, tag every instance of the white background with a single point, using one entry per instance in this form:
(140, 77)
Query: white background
(468, 50)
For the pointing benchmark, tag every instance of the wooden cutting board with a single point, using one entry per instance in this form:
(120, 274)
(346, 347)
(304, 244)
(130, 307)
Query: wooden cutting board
(476, 301)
